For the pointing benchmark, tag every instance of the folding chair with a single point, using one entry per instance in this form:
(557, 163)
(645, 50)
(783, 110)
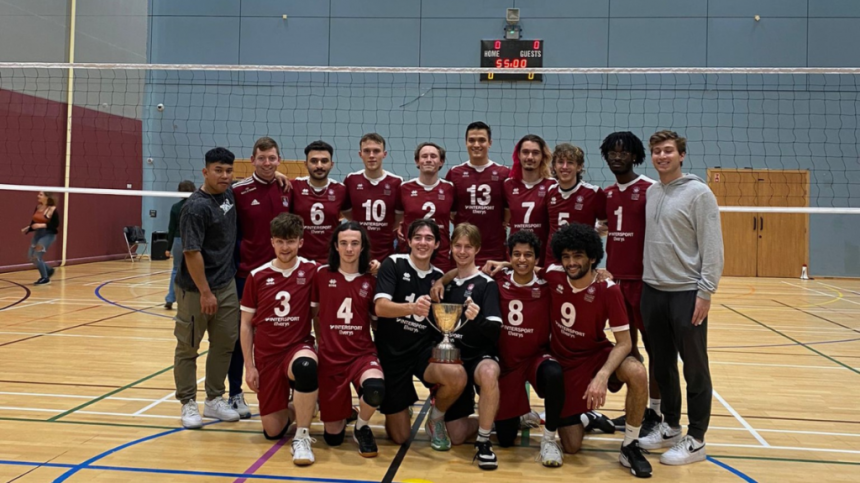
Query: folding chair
(135, 236)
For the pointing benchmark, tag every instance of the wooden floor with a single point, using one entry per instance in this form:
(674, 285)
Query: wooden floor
(86, 394)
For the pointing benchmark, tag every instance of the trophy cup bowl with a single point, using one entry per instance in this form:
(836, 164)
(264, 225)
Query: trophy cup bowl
(447, 321)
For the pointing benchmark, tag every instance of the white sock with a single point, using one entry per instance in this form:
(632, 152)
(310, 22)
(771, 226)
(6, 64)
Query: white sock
(302, 433)
(360, 423)
(655, 406)
(436, 414)
(584, 419)
(483, 435)
(631, 434)
(548, 435)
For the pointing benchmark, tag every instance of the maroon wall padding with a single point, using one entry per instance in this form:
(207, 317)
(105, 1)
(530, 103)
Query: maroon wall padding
(106, 153)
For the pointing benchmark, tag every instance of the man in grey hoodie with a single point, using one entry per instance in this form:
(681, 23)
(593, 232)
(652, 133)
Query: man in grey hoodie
(682, 267)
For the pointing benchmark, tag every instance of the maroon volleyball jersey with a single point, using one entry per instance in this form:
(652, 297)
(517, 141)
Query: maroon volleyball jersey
(585, 204)
(481, 202)
(625, 243)
(257, 203)
(429, 201)
(344, 302)
(525, 316)
(320, 211)
(528, 206)
(374, 204)
(281, 303)
(579, 317)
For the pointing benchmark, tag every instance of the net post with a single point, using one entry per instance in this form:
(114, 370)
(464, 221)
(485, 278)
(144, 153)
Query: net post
(70, 96)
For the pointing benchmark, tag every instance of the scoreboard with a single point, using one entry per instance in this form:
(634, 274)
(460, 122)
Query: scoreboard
(512, 54)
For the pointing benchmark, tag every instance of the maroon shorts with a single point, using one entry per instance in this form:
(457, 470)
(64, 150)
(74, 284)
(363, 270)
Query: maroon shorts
(578, 375)
(335, 396)
(632, 292)
(274, 393)
(512, 386)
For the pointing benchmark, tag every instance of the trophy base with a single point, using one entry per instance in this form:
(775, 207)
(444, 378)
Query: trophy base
(446, 355)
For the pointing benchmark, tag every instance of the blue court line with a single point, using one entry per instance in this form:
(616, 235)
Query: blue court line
(734, 471)
(163, 471)
(111, 302)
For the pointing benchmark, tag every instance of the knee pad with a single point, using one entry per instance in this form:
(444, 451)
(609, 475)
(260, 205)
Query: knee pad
(305, 372)
(549, 374)
(506, 431)
(373, 391)
(334, 439)
(279, 436)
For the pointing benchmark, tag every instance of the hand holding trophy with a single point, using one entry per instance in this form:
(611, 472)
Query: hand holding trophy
(447, 321)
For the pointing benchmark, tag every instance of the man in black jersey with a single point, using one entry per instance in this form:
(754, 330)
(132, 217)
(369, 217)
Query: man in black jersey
(478, 344)
(404, 338)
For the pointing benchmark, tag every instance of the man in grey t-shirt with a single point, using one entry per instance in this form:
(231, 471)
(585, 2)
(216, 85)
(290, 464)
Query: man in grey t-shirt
(683, 262)
(206, 291)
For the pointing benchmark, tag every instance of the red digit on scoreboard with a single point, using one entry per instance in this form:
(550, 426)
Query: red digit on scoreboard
(497, 45)
(536, 45)
(498, 63)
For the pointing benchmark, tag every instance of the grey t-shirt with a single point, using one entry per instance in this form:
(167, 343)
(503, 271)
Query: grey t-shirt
(208, 225)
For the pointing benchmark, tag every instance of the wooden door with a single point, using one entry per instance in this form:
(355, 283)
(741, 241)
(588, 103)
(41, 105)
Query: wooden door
(737, 187)
(783, 237)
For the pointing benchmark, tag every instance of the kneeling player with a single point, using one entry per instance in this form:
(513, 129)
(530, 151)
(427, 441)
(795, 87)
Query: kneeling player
(581, 307)
(342, 299)
(277, 341)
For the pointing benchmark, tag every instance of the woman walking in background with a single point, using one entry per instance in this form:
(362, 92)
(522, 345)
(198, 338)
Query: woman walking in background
(174, 242)
(44, 223)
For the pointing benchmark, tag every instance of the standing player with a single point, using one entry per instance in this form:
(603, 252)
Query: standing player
(682, 268)
(277, 340)
(625, 242)
(259, 199)
(375, 194)
(572, 200)
(404, 339)
(581, 307)
(479, 185)
(526, 189)
(427, 196)
(342, 299)
(478, 343)
(319, 200)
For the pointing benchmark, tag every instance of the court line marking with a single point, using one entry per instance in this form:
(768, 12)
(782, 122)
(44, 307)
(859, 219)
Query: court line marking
(104, 299)
(27, 294)
(754, 364)
(262, 460)
(49, 334)
(752, 446)
(740, 419)
(839, 296)
(740, 474)
(839, 288)
(164, 399)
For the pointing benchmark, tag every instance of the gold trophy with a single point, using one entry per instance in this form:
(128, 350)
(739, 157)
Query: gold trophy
(447, 318)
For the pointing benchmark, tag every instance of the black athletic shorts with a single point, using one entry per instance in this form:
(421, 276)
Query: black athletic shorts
(399, 385)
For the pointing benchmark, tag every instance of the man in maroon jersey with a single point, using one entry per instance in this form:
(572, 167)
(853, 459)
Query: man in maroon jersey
(427, 196)
(319, 200)
(277, 341)
(581, 307)
(526, 189)
(479, 185)
(342, 299)
(625, 244)
(259, 199)
(374, 193)
(572, 200)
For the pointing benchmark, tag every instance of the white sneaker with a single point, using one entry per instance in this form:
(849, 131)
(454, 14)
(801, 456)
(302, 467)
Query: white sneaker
(238, 403)
(686, 451)
(191, 416)
(663, 436)
(219, 408)
(530, 420)
(303, 454)
(550, 453)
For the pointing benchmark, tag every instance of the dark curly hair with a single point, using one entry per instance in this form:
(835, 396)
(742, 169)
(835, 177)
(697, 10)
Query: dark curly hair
(526, 237)
(629, 142)
(334, 256)
(577, 236)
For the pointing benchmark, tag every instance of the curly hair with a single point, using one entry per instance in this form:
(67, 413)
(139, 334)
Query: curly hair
(334, 256)
(575, 237)
(569, 152)
(629, 142)
(525, 237)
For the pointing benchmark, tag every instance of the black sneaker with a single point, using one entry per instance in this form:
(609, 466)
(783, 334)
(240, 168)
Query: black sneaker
(486, 457)
(366, 442)
(620, 422)
(599, 422)
(651, 422)
(168, 305)
(632, 457)
(42, 281)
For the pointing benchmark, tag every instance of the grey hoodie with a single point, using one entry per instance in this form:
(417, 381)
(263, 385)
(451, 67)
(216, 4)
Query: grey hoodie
(683, 238)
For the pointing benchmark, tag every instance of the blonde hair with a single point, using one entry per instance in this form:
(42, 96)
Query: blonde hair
(468, 230)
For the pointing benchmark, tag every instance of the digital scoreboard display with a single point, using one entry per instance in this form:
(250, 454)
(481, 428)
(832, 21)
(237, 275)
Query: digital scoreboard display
(512, 54)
